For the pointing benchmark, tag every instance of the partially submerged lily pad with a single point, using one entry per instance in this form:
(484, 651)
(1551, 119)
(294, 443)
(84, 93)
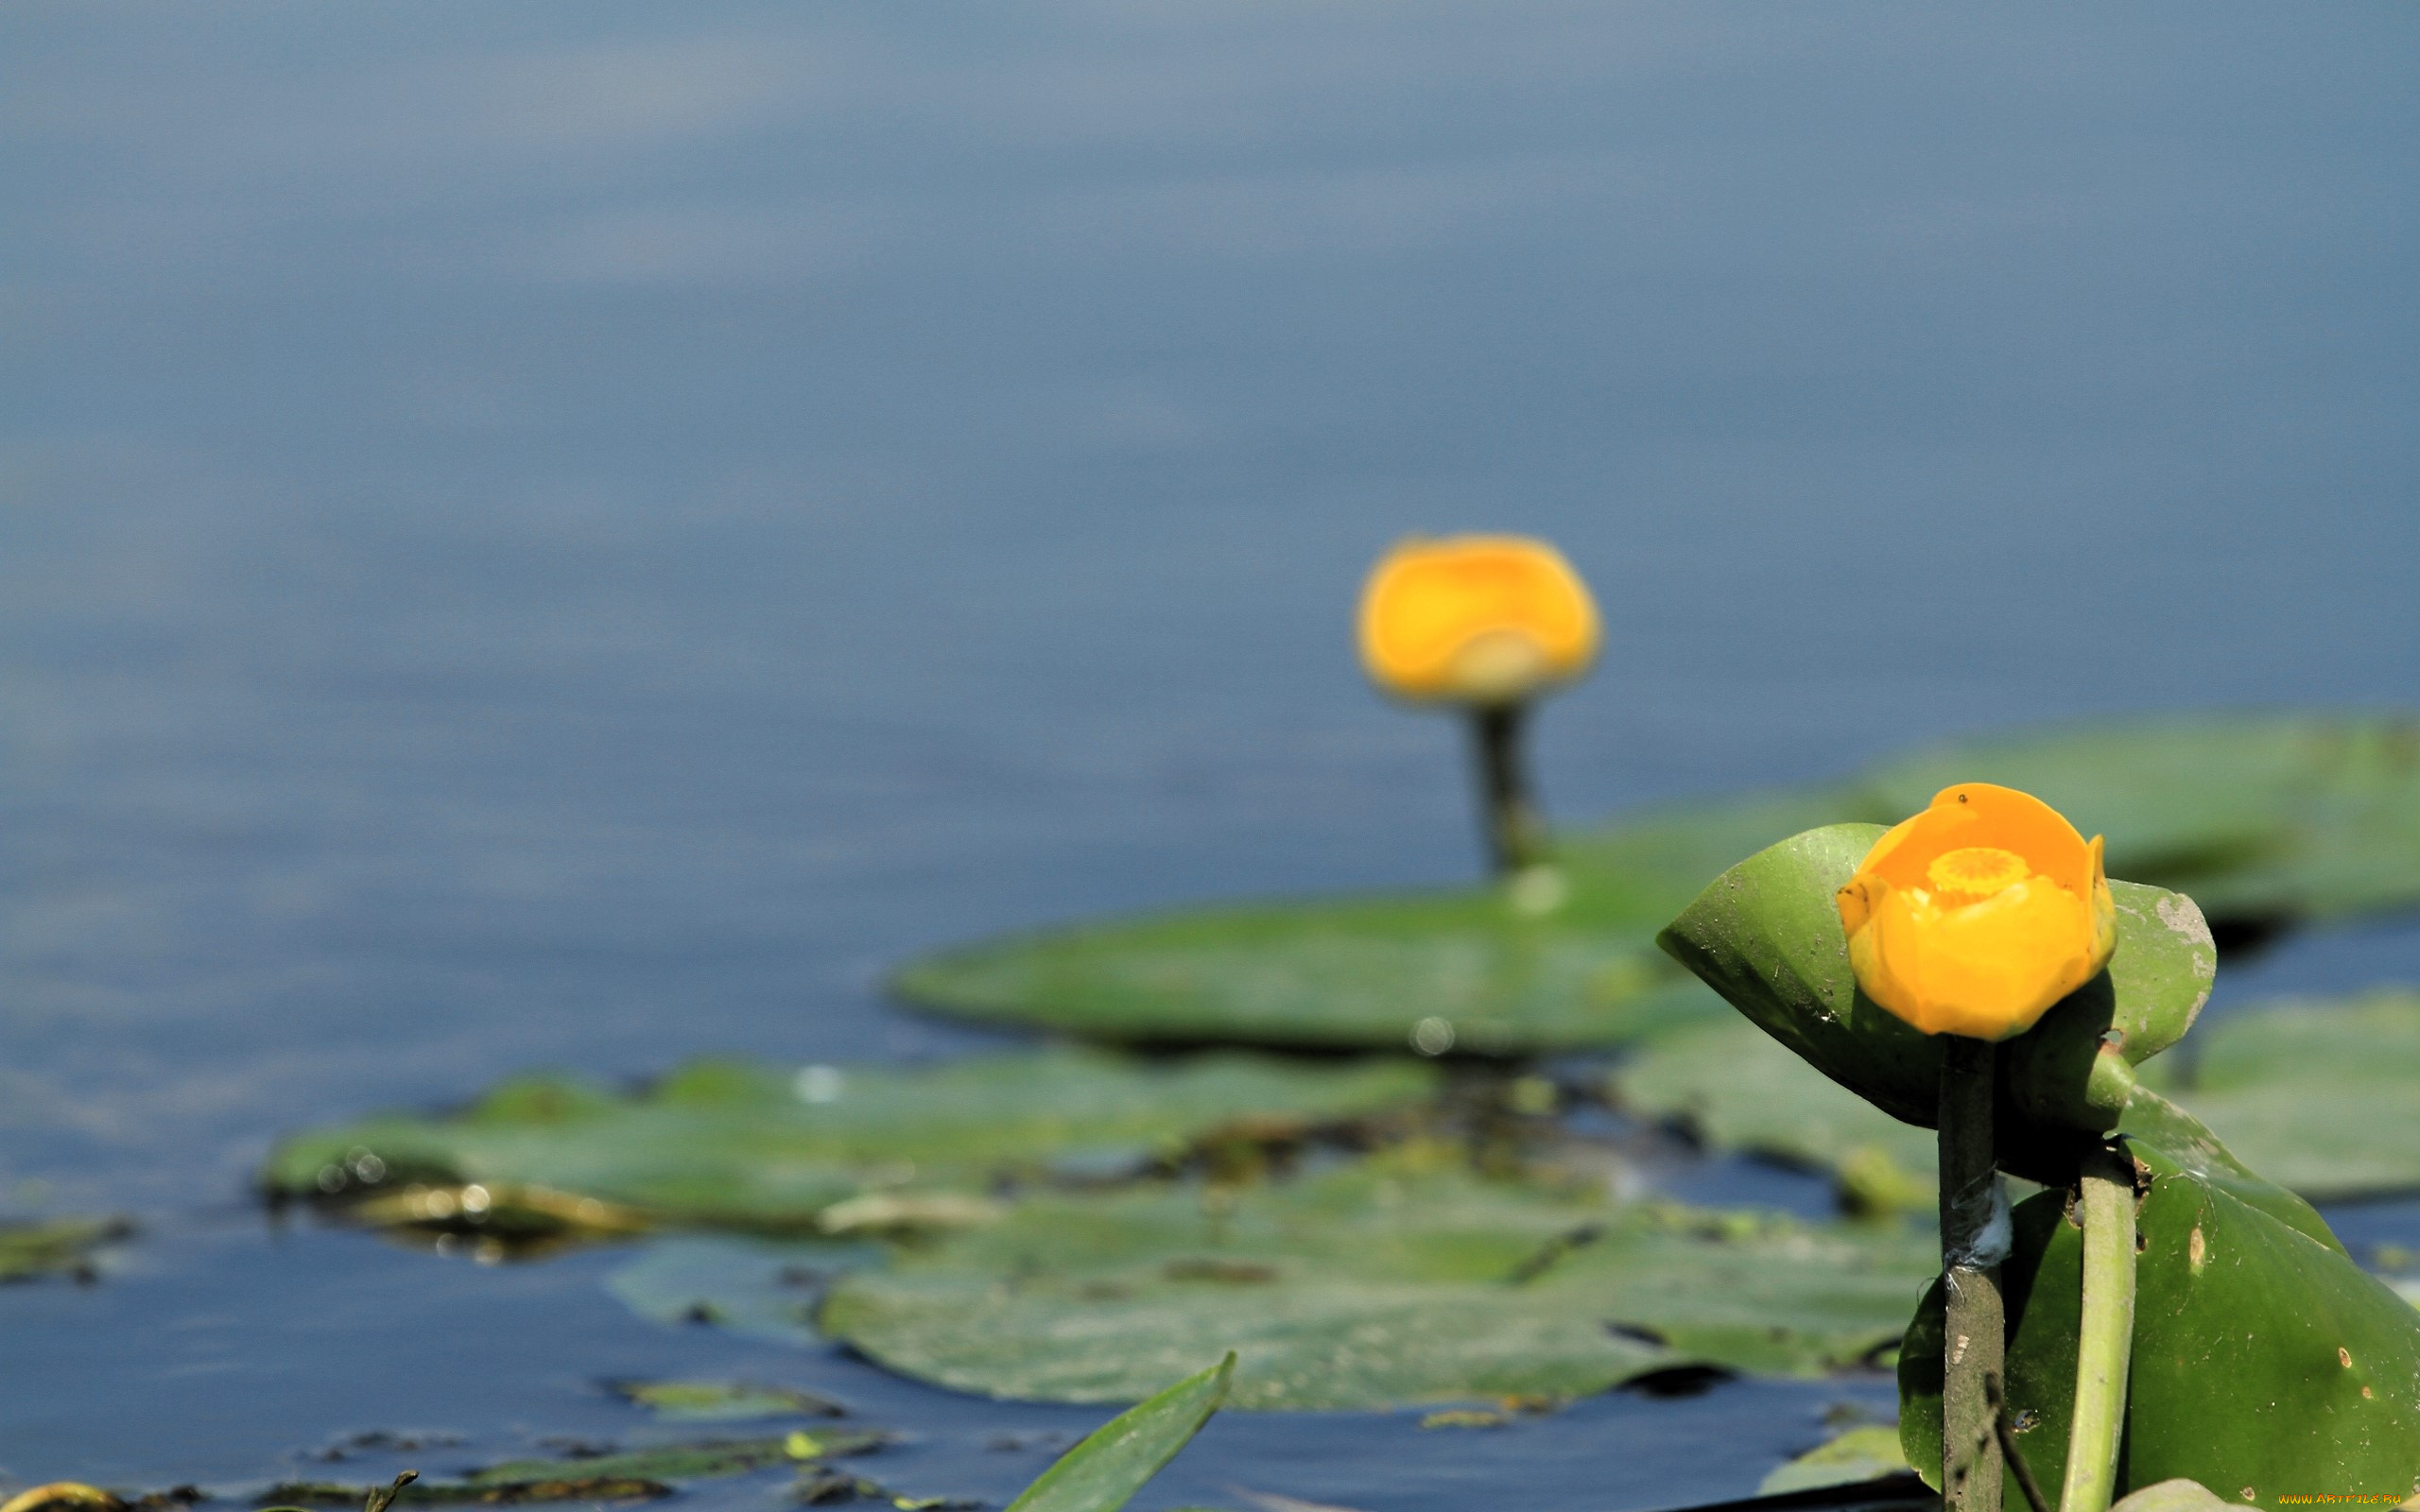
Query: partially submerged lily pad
(2264, 819)
(50, 1246)
(765, 1288)
(1402, 1279)
(724, 1401)
(1849, 1458)
(730, 1143)
(637, 1475)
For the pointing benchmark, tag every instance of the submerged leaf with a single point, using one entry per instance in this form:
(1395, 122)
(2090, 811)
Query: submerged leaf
(719, 1400)
(640, 1474)
(47, 1246)
(752, 1146)
(1102, 1473)
(1402, 1279)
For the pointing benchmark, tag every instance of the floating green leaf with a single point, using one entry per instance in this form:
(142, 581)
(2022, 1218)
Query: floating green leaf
(708, 1460)
(857, 1149)
(2263, 820)
(2263, 1356)
(2259, 816)
(637, 1475)
(1737, 1088)
(2315, 1094)
(765, 1288)
(1102, 1473)
(1400, 1280)
(1860, 1455)
(1554, 959)
(567, 1485)
(48, 1247)
(724, 1401)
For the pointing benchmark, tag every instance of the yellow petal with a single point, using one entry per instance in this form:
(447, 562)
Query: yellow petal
(1987, 969)
(1475, 619)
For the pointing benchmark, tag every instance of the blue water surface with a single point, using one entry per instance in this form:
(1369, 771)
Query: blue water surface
(575, 534)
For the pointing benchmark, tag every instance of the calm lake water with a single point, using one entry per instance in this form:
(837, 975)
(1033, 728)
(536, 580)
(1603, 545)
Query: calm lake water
(573, 535)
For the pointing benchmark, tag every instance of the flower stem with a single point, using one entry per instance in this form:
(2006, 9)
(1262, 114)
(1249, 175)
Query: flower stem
(1974, 1241)
(2106, 1342)
(1516, 833)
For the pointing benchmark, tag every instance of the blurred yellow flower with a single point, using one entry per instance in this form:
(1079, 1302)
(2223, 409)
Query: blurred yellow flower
(1977, 915)
(1475, 620)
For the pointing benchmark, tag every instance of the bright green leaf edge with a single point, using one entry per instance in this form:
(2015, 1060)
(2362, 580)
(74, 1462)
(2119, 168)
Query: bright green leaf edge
(1102, 1473)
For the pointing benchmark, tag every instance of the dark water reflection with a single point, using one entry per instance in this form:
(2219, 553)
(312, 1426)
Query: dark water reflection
(574, 535)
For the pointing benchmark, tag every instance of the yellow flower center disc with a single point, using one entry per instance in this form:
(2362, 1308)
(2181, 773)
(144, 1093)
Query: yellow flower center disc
(1978, 870)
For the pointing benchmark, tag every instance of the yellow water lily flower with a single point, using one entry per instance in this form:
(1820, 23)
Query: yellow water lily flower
(1475, 620)
(1977, 915)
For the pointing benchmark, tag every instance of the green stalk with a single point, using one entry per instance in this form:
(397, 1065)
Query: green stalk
(2106, 1344)
(1516, 833)
(1974, 1241)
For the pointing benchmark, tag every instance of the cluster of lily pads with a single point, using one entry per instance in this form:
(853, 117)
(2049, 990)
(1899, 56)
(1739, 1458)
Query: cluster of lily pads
(1425, 1211)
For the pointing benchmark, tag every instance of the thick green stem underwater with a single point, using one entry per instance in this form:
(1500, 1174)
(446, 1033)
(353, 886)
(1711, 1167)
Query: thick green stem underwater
(2106, 1344)
(1515, 834)
(1974, 1240)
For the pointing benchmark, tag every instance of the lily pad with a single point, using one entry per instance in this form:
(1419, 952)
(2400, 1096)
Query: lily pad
(708, 1460)
(1403, 1278)
(640, 1474)
(1556, 958)
(2316, 1094)
(2313, 1093)
(764, 1288)
(826, 1148)
(1850, 1458)
(2264, 819)
(2261, 818)
(724, 1401)
(2263, 1356)
(50, 1246)
(1737, 1088)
